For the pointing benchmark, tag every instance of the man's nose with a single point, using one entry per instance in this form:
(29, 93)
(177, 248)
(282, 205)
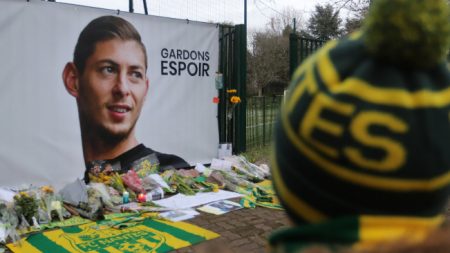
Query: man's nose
(122, 86)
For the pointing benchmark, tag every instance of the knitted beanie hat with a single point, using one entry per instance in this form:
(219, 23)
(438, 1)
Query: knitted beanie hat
(365, 129)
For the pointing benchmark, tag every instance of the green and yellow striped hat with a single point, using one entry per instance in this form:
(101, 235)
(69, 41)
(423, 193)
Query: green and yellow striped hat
(365, 129)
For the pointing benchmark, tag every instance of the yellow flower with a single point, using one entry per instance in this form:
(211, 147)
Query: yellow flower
(47, 189)
(23, 194)
(232, 91)
(235, 99)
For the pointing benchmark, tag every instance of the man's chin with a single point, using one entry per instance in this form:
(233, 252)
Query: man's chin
(115, 135)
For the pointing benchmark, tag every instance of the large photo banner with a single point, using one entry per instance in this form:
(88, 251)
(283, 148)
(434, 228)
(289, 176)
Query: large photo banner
(40, 139)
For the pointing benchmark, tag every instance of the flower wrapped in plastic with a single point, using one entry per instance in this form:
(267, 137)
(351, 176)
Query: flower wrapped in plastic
(50, 203)
(100, 172)
(93, 209)
(188, 185)
(146, 165)
(182, 184)
(9, 222)
(237, 183)
(133, 182)
(116, 182)
(26, 205)
(243, 167)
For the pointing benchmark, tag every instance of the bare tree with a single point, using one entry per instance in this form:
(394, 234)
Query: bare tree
(278, 23)
(358, 10)
(355, 6)
(268, 61)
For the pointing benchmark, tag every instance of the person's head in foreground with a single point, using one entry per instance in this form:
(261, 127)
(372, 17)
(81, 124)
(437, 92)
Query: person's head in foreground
(362, 148)
(109, 81)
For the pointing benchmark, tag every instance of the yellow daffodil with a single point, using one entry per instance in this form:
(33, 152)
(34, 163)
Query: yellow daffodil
(235, 99)
(23, 194)
(47, 189)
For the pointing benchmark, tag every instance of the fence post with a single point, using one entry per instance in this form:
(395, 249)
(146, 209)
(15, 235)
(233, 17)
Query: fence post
(130, 6)
(241, 84)
(225, 35)
(264, 119)
(293, 53)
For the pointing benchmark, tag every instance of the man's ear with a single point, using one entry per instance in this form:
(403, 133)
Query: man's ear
(71, 79)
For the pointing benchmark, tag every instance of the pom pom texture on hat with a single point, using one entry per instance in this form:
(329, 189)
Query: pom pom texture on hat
(412, 33)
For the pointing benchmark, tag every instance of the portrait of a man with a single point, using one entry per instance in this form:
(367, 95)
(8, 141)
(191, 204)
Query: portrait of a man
(108, 79)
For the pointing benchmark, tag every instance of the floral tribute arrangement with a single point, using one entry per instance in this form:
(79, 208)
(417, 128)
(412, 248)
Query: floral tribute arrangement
(111, 192)
(29, 211)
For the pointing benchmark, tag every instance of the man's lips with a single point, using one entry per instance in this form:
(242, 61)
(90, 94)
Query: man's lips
(118, 112)
(119, 108)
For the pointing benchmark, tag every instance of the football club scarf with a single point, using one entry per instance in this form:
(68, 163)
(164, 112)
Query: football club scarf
(148, 235)
(263, 195)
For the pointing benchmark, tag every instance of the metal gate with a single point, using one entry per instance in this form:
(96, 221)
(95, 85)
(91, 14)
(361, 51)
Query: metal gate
(300, 48)
(233, 67)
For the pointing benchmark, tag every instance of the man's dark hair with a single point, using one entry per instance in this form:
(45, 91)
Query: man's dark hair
(103, 29)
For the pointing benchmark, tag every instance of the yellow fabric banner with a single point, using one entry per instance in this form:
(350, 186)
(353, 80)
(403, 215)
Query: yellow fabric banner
(120, 235)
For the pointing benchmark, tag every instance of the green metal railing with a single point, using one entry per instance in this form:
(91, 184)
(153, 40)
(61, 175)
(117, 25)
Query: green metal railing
(300, 48)
(254, 118)
(233, 67)
(262, 112)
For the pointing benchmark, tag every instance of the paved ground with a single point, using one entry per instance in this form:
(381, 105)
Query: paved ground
(244, 230)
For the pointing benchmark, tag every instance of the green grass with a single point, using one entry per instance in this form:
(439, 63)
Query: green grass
(258, 155)
(261, 116)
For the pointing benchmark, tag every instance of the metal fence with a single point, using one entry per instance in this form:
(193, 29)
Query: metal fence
(262, 112)
(233, 67)
(300, 48)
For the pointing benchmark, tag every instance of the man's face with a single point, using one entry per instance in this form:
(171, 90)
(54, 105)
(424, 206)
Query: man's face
(112, 88)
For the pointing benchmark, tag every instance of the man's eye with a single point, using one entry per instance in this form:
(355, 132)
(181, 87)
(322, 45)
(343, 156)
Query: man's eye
(107, 70)
(136, 74)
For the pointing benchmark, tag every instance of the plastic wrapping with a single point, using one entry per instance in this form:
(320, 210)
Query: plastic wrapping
(26, 205)
(146, 165)
(241, 166)
(50, 202)
(9, 223)
(133, 182)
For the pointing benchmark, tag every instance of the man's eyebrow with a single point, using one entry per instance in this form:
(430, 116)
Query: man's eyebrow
(137, 67)
(109, 61)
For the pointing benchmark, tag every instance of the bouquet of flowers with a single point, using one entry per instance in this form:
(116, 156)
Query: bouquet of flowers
(8, 219)
(133, 182)
(26, 207)
(237, 182)
(243, 167)
(116, 182)
(233, 100)
(188, 185)
(100, 172)
(146, 165)
(50, 203)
